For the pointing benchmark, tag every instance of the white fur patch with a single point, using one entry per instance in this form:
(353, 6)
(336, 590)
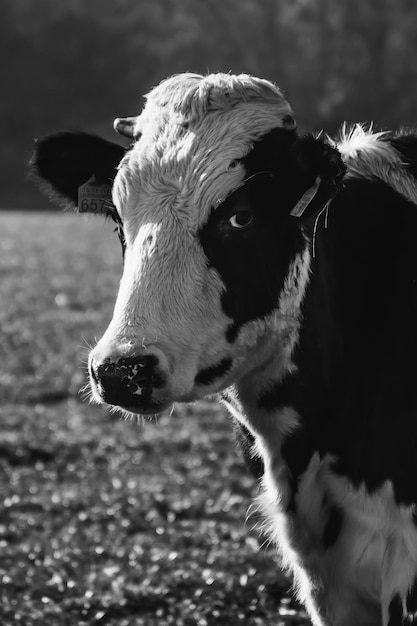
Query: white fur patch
(295, 284)
(369, 155)
(374, 558)
(356, 139)
(272, 339)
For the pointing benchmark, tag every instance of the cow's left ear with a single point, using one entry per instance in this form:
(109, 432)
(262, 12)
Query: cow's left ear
(65, 162)
(321, 167)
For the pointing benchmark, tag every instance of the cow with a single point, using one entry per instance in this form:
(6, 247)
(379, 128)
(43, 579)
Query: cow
(277, 272)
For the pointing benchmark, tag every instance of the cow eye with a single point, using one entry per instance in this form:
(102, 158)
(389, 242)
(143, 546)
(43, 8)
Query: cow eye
(240, 220)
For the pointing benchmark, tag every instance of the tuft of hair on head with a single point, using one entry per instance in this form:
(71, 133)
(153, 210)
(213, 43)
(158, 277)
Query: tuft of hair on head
(192, 96)
(357, 138)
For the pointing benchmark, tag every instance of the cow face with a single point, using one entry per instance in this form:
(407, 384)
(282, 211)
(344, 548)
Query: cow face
(215, 265)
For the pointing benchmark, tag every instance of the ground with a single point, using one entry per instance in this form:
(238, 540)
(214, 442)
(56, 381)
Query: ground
(104, 521)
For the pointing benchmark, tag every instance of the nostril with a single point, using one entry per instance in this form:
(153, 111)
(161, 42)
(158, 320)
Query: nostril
(92, 371)
(143, 371)
(107, 368)
(103, 374)
(127, 377)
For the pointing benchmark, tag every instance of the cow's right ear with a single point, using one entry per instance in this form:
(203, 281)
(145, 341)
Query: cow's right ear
(320, 165)
(62, 163)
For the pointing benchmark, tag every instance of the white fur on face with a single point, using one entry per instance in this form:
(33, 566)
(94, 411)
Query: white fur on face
(193, 131)
(192, 135)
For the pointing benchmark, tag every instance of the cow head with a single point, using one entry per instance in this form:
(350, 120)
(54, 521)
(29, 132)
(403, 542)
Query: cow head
(215, 264)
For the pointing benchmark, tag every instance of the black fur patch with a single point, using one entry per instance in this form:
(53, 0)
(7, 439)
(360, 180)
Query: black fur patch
(297, 450)
(232, 332)
(279, 395)
(253, 262)
(395, 612)
(411, 600)
(208, 375)
(406, 145)
(333, 526)
(354, 370)
(245, 441)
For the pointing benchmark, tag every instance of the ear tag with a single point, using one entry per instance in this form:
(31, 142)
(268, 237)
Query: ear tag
(305, 199)
(95, 197)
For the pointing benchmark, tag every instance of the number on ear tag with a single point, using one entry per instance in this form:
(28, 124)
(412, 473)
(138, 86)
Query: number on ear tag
(95, 197)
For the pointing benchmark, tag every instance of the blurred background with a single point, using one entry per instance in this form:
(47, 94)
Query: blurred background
(77, 64)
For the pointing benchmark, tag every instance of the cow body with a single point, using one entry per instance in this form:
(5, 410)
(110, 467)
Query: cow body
(337, 430)
(277, 272)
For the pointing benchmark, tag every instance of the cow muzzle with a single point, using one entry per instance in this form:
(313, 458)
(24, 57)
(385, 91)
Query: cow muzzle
(135, 383)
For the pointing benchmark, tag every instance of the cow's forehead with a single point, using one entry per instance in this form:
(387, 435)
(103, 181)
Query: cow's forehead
(194, 129)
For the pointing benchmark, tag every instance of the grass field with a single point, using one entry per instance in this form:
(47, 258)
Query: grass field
(103, 521)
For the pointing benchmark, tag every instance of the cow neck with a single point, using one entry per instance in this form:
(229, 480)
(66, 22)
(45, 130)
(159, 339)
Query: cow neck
(357, 342)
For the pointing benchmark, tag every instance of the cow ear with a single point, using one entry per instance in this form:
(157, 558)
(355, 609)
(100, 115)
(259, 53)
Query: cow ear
(63, 163)
(321, 168)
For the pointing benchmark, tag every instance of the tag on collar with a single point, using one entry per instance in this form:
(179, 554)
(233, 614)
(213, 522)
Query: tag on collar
(305, 199)
(95, 197)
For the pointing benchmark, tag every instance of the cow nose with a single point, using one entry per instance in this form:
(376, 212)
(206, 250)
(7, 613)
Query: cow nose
(127, 381)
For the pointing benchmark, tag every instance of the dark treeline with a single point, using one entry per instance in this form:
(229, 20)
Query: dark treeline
(78, 64)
